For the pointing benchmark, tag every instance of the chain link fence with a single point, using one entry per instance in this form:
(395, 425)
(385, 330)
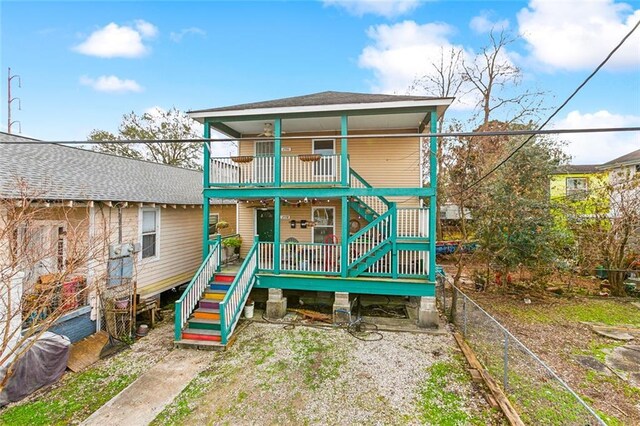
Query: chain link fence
(534, 389)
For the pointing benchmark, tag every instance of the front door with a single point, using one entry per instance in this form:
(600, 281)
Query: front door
(264, 224)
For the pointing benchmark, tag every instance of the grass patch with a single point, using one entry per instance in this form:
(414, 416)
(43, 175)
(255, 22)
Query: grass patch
(76, 399)
(609, 312)
(318, 359)
(440, 403)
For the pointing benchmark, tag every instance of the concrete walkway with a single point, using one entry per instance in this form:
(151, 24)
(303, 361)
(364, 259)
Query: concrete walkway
(140, 402)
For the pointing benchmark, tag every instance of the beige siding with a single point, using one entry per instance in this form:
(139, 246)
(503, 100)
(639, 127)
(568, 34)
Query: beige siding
(179, 251)
(227, 213)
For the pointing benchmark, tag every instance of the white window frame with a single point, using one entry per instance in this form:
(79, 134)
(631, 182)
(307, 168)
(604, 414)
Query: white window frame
(313, 210)
(570, 192)
(333, 162)
(217, 215)
(140, 234)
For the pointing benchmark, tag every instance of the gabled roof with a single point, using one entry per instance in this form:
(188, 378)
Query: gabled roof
(58, 172)
(576, 169)
(321, 98)
(625, 160)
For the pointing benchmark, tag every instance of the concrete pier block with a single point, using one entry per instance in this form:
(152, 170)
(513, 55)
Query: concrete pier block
(276, 304)
(341, 308)
(427, 313)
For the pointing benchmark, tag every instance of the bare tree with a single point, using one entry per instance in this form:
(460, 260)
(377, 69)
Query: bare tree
(160, 125)
(44, 254)
(496, 81)
(444, 80)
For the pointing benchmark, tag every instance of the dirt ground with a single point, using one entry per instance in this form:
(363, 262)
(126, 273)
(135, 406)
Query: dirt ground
(278, 375)
(558, 330)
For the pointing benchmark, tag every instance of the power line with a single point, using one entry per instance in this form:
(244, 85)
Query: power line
(575, 92)
(359, 136)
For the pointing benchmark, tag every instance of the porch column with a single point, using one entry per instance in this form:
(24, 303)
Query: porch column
(205, 184)
(344, 151)
(277, 152)
(344, 244)
(276, 235)
(394, 239)
(433, 183)
(427, 312)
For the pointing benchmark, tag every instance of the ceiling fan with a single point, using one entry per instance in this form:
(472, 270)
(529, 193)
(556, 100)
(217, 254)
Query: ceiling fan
(268, 131)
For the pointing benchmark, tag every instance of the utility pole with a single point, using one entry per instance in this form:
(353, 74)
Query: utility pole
(10, 99)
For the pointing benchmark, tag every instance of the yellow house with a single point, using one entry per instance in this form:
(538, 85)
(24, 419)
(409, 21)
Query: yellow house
(579, 190)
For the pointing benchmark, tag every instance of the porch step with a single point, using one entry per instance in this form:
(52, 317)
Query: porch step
(209, 304)
(204, 324)
(201, 334)
(210, 314)
(200, 344)
(214, 286)
(224, 278)
(364, 264)
(364, 211)
(214, 294)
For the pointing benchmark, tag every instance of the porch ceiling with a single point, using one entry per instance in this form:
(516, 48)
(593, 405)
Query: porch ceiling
(328, 124)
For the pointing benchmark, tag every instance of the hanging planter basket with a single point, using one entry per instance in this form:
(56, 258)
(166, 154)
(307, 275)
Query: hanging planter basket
(309, 157)
(242, 159)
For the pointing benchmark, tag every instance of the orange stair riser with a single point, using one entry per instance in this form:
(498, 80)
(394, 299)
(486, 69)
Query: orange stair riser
(194, 336)
(214, 296)
(205, 315)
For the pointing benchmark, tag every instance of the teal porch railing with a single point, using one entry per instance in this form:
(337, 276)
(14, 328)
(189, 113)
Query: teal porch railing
(259, 170)
(191, 295)
(374, 203)
(238, 293)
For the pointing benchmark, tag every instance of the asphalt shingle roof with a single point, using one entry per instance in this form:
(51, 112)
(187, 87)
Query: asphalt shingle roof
(576, 168)
(58, 172)
(321, 98)
(630, 158)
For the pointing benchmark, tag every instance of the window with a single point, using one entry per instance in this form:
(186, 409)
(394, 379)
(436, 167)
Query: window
(214, 218)
(576, 186)
(324, 166)
(149, 233)
(324, 223)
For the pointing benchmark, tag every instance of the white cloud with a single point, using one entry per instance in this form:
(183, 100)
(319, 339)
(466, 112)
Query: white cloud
(113, 40)
(483, 23)
(574, 35)
(111, 84)
(597, 148)
(178, 36)
(386, 8)
(405, 51)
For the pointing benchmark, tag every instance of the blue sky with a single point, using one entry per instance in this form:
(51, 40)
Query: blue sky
(84, 64)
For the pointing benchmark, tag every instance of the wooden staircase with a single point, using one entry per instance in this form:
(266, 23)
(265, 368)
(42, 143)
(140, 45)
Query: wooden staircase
(203, 326)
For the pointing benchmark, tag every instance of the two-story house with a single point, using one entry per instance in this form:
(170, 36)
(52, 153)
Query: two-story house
(330, 189)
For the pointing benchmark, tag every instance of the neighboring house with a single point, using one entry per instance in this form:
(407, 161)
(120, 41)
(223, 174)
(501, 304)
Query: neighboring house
(624, 178)
(330, 211)
(154, 207)
(579, 189)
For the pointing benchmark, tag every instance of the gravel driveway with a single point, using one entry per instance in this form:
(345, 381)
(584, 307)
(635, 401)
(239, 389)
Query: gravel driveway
(305, 375)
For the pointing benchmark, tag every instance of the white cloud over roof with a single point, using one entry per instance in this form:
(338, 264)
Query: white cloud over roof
(115, 41)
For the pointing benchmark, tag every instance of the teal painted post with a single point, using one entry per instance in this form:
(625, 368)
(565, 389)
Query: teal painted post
(433, 183)
(344, 150)
(219, 241)
(277, 150)
(177, 326)
(223, 324)
(394, 239)
(276, 235)
(344, 256)
(205, 200)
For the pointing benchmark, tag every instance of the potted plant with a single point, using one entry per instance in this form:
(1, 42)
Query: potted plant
(221, 225)
(248, 308)
(235, 242)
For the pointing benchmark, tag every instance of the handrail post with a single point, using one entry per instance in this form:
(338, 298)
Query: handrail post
(177, 322)
(344, 150)
(219, 248)
(393, 207)
(223, 323)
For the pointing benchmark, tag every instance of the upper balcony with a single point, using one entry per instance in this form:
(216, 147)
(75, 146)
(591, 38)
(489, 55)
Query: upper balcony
(295, 170)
